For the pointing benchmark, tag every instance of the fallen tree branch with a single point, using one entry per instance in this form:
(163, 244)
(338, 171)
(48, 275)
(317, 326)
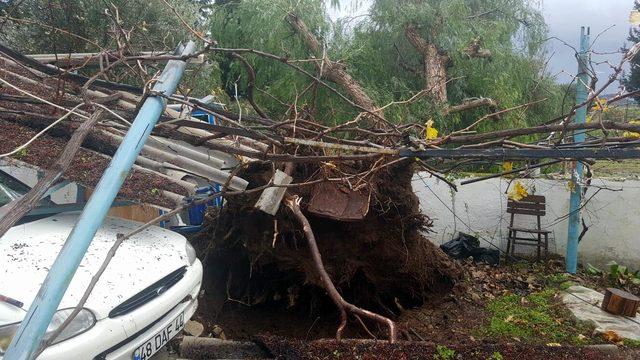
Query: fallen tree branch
(293, 203)
(251, 81)
(471, 104)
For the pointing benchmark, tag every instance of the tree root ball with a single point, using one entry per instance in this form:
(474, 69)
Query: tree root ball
(381, 262)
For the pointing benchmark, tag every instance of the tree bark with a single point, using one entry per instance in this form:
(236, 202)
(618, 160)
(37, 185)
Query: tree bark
(434, 71)
(471, 104)
(331, 70)
(620, 302)
(433, 64)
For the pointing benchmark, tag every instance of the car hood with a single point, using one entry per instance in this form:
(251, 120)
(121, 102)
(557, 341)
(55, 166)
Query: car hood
(27, 252)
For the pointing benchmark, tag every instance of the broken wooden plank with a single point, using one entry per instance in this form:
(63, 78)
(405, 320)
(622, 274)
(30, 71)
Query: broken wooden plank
(271, 197)
(337, 202)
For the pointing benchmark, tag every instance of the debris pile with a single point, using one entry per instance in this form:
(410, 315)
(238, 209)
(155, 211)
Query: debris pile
(382, 260)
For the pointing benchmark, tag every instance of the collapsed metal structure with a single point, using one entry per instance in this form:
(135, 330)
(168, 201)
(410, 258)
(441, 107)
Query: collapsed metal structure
(31, 331)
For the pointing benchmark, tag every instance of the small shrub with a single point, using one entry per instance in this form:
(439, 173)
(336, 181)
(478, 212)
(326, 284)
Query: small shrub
(444, 353)
(617, 274)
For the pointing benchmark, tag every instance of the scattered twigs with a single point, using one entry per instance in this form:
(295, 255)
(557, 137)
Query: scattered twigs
(293, 203)
(435, 174)
(487, 116)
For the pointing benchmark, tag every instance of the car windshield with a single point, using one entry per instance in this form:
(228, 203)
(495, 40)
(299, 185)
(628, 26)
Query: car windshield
(12, 189)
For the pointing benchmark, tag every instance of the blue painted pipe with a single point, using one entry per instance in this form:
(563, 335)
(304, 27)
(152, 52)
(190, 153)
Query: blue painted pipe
(35, 323)
(575, 199)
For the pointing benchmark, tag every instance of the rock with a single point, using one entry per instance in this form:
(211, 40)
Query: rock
(219, 333)
(193, 328)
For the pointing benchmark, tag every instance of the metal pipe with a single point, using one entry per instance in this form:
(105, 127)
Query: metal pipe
(29, 336)
(512, 154)
(578, 137)
(492, 176)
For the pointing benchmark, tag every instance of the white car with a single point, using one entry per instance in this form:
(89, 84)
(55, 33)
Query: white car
(143, 299)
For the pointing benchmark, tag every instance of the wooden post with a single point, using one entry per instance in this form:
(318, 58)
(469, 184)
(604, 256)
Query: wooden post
(620, 302)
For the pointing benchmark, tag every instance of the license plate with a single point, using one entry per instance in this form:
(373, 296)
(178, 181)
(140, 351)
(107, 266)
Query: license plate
(160, 339)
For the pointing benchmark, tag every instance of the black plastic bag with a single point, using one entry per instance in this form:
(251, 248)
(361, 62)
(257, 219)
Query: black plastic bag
(466, 245)
(460, 247)
(490, 256)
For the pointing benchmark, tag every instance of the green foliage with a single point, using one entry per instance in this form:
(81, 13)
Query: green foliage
(444, 353)
(631, 343)
(379, 57)
(513, 75)
(496, 356)
(262, 25)
(22, 153)
(535, 318)
(560, 281)
(617, 274)
(152, 25)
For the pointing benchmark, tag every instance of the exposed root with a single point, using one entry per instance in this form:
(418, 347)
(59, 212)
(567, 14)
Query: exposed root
(343, 306)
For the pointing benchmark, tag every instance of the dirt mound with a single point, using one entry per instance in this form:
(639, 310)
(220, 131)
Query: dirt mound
(382, 262)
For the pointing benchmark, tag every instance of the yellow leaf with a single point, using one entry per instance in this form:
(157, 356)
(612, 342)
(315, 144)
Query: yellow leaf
(631, 134)
(611, 336)
(553, 344)
(600, 104)
(589, 118)
(507, 166)
(518, 192)
(430, 132)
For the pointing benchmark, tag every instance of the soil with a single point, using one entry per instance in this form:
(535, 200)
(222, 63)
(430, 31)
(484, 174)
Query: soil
(452, 320)
(363, 350)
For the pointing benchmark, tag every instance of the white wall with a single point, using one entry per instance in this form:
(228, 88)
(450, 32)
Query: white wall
(613, 217)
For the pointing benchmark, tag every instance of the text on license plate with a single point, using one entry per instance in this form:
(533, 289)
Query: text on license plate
(160, 339)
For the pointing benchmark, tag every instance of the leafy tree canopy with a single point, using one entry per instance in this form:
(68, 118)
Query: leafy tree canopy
(46, 24)
(376, 52)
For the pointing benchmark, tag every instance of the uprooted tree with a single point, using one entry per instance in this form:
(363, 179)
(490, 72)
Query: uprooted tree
(394, 67)
(327, 106)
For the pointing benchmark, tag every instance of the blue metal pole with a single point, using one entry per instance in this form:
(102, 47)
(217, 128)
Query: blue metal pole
(29, 336)
(575, 199)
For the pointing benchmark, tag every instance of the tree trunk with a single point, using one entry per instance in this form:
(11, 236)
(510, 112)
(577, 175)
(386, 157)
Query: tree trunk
(434, 64)
(334, 71)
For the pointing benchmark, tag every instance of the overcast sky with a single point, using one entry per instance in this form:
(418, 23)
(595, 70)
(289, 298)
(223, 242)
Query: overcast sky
(564, 18)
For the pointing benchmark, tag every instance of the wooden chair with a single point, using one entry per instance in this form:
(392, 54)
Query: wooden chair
(533, 205)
